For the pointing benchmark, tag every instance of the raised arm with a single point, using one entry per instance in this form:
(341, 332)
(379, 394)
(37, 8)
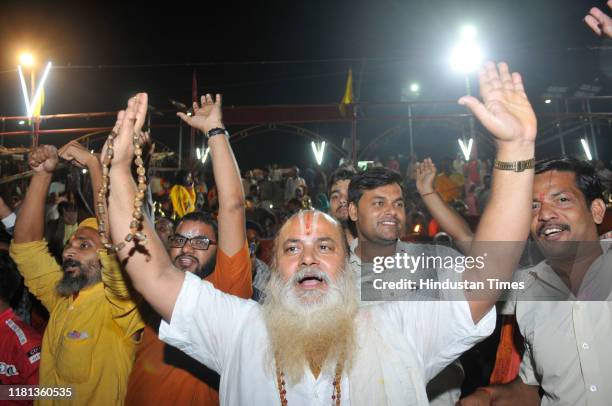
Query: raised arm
(600, 22)
(504, 225)
(450, 221)
(208, 116)
(148, 266)
(30, 224)
(78, 155)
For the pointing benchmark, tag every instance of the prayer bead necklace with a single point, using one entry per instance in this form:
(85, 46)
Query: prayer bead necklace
(282, 391)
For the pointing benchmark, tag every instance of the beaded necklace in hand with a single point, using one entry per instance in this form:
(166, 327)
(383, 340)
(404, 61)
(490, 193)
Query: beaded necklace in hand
(137, 216)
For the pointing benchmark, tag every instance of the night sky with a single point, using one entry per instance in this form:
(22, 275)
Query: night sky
(294, 52)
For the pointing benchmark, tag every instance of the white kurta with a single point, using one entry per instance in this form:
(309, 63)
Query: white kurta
(402, 345)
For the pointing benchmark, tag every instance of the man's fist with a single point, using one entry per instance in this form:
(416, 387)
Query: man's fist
(77, 154)
(43, 159)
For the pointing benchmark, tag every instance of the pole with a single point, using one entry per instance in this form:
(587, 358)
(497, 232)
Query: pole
(354, 137)
(410, 130)
(33, 119)
(561, 138)
(180, 147)
(468, 90)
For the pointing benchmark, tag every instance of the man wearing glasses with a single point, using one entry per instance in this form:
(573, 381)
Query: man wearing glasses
(213, 249)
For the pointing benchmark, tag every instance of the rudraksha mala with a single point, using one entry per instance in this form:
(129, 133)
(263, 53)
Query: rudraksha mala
(137, 216)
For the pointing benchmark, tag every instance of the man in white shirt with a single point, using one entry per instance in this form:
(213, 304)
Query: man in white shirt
(310, 343)
(565, 312)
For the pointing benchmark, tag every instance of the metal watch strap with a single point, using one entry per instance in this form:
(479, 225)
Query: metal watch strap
(217, 131)
(516, 166)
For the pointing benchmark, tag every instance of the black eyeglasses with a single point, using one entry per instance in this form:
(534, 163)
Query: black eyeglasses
(198, 243)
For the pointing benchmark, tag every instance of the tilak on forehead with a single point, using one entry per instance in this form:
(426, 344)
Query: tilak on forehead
(542, 194)
(308, 221)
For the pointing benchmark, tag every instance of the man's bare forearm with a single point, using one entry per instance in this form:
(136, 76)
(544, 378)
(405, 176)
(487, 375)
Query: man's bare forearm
(232, 234)
(503, 227)
(95, 173)
(450, 221)
(30, 224)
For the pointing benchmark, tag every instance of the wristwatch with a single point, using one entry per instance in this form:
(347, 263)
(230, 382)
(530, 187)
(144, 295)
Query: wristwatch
(516, 166)
(217, 131)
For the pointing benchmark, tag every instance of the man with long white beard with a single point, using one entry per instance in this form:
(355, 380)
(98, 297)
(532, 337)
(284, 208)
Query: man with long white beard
(317, 346)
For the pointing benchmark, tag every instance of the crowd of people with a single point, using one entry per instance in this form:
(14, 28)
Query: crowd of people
(262, 287)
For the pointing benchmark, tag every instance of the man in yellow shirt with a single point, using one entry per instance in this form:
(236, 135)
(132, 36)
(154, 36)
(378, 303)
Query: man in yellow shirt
(94, 325)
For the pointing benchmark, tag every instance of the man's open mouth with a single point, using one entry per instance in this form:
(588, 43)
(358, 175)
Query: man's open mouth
(310, 281)
(553, 231)
(185, 261)
(391, 223)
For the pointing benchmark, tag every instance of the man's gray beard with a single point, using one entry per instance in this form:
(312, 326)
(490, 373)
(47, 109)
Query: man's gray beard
(69, 285)
(314, 329)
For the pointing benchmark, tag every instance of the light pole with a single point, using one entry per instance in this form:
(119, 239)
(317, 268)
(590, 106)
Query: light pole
(36, 93)
(466, 58)
(411, 93)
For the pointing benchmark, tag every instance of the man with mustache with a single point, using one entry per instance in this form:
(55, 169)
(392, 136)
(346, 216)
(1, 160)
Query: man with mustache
(215, 251)
(338, 198)
(377, 207)
(94, 325)
(567, 356)
(318, 345)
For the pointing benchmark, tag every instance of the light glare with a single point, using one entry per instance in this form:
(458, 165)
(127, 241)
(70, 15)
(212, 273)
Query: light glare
(466, 150)
(318, 153)
(468, 33)
(587, 150)
(26, 59)
(466, 57)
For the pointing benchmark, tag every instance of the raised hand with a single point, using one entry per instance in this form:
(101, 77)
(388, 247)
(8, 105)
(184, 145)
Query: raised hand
(43, 159)
(506, 111)
(425, 175)
(207, 116)
(77, 154)
(129, 122)
(600, 22)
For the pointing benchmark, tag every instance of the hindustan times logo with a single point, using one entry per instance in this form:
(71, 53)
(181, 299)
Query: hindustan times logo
(412, 263)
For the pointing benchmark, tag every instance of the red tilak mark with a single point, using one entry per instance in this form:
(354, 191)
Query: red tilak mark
(542, 195)
(308, 224)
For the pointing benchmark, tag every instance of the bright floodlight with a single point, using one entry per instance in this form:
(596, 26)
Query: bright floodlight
(26, 59)
(466, 57)
(318, 151)
(414, 87)
(466, 149)
(29, 104)
(468, 33)
(587, 150)
(206, 152)
(547, 101)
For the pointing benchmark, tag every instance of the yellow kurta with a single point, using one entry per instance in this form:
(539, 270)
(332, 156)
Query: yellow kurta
(88, 344)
